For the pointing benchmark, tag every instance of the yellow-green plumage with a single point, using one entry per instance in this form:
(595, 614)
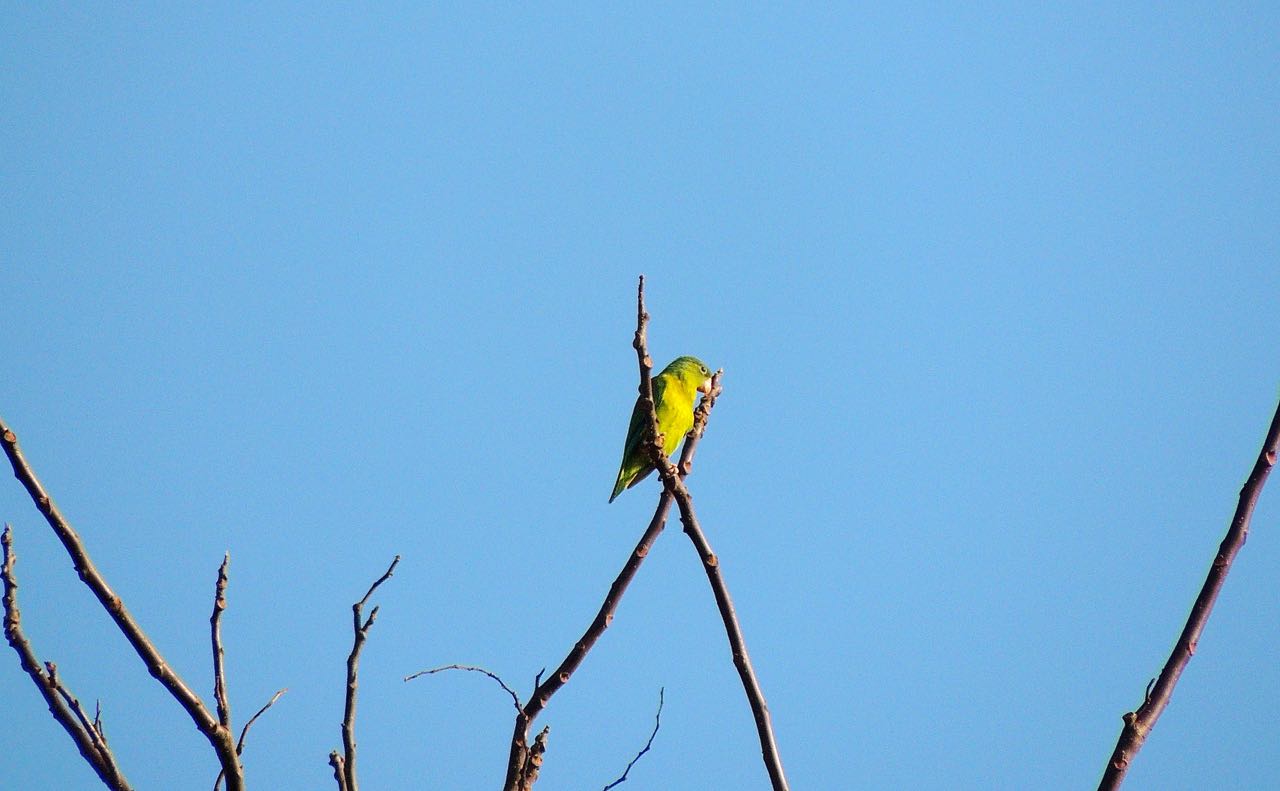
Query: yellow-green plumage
(674, 391)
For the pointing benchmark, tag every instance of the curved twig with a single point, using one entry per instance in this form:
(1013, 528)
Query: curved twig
(1138, 724)
(244, 732)
(657, 723)
(474, 669)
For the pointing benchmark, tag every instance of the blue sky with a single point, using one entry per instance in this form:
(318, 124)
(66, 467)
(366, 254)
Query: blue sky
(994, 288)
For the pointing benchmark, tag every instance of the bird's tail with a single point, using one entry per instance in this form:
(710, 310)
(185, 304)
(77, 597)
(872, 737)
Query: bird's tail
(628, 478)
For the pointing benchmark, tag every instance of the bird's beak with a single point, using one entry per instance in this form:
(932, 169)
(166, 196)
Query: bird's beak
(705, 387)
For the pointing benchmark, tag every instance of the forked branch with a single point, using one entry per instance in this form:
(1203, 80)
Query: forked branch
(673, 485)
(65, 708)
(218, 735)
(344, 765)
(518, 761)
(244, 732)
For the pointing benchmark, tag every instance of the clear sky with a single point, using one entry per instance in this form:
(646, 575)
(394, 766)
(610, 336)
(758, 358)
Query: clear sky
(995, 290)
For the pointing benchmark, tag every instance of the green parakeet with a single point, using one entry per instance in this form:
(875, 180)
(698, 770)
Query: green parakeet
(674, 391)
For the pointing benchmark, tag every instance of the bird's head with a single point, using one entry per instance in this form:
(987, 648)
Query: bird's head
(691, 372)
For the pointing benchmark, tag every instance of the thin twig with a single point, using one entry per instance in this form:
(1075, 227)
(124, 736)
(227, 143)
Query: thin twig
(244, 732)
(657, 723)
(653, 435)
(215, 636)
(88, 737)
(218, 736)
(474, 669)
(345, 766)
(90, 727)
(1138, 724)
(518, 757)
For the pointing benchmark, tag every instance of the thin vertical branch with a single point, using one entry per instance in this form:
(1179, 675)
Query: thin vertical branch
(1138, 724)
(215, 635)
(219, 736)
(65, 708)
(653, 436)
(344, 766)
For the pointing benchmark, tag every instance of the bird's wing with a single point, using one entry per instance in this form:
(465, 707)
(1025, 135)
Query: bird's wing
(639, 417)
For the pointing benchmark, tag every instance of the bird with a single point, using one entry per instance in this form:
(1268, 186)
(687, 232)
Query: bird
(674, 391)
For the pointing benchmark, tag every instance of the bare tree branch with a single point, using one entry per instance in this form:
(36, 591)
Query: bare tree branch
(244, 732)
(604, 616)
(741, 659)
(474, 669)
(344, 767)
(1138, 724)
(653, 436)
(215, 635)
(88, 736)
(657, 723)
(219, 736)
